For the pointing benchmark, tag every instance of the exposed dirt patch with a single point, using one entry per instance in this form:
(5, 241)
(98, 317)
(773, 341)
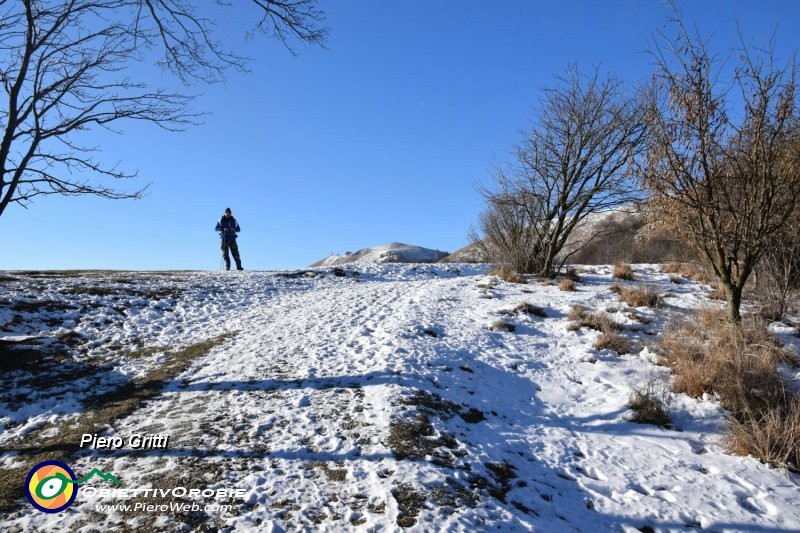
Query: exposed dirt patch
(103, 410)
(409, 502)
(502, 473)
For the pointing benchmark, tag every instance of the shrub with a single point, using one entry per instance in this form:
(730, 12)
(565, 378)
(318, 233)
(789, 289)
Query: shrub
(642, 296)
(597, 321)
(651, 402)
(772, 435)
(739, 364)
(616, 288)
(576, 312)
(623, 271)
(507, 274)
(566, 285)
(611, 340)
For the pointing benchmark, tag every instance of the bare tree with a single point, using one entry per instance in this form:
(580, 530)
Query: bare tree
(573, 162)
(776, 278)
(64, 66)
(726, 182)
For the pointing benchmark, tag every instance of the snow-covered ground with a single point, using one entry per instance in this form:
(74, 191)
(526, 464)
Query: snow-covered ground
(375, 400)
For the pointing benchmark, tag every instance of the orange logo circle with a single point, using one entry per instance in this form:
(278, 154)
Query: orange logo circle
(50, 486)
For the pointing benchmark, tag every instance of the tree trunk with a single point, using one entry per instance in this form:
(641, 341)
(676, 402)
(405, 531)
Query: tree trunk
(734, 302)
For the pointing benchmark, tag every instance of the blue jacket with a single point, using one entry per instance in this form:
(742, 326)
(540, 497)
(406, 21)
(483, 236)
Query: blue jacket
(227, 227)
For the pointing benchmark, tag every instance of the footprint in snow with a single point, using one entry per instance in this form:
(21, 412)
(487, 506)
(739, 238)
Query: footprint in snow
(756, 504)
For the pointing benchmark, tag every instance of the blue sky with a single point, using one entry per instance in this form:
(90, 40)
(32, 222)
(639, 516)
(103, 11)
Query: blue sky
(380, 137)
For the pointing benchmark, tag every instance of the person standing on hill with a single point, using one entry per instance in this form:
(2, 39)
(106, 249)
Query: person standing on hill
(228, 228)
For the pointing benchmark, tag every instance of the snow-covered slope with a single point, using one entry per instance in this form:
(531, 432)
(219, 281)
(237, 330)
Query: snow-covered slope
(393, 252)
(370, 401)
(468, 254)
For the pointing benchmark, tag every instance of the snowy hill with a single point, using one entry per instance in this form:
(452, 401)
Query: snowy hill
(468, 254)
(369, 401)
(393, 252)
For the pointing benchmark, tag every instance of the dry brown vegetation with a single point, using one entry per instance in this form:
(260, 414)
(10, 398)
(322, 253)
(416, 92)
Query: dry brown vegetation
(529, 309)
(738, 363)
(566, 285)
(772, 435)
(500, 325)
(642, 296)
(623, 271)
(507, 274)
(718, 293)
(610, 339)
(650, 403)
(691, 271)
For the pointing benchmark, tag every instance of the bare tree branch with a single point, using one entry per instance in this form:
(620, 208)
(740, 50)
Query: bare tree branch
(574, 161)
(726, 184)
(63, 69)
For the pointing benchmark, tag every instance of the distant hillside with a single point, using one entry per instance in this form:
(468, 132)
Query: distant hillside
(625, 234)
(617, 235)
(468, 254)
(393, 252)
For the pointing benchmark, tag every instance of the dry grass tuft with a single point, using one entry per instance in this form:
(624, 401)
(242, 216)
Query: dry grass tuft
(500, 325)
(616, 288)
(739, 364)
(671, 267)
(651, 402)
(677, 280)
(772, 435)
(598, 321)
(529, 309)
(507, 274)
(736, 362)
(622, 271)
(576, 312)
(610, 339)
(566, 285)
(718, 293)
(642, 296)
(687, 270)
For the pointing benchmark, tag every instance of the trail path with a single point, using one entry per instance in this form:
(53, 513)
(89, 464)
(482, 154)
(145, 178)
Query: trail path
(383, 400)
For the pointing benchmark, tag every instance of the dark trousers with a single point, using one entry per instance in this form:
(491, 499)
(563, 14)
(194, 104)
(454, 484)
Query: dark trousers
(230, 244)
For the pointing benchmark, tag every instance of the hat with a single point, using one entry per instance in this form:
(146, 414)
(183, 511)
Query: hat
(227, 209)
